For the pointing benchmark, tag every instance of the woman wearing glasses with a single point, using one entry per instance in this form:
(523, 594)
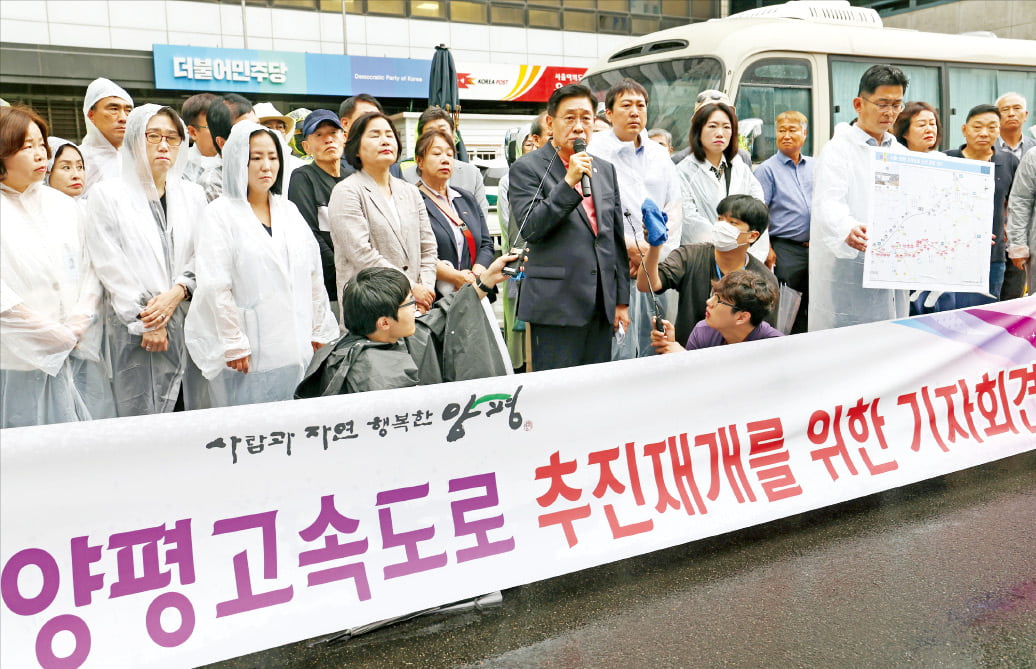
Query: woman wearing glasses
(140, 234)
(261, 308)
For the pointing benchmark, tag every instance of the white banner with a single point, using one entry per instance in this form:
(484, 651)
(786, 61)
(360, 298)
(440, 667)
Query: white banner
(930, 223)
(183, 539)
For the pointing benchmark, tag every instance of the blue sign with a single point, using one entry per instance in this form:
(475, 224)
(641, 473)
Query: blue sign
(256, 71)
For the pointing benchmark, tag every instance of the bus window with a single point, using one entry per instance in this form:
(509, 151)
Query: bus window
(672, 87)
(923, 86)
(970, 86)
(769, 87)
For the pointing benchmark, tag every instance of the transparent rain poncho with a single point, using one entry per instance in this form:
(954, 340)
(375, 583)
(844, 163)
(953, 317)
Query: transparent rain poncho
(140, 249)
(100, 156)
(92, 377)
(841, 201)
(49, 298)
(260, 293)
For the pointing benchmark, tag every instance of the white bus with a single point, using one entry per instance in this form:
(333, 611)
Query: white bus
(809, 56)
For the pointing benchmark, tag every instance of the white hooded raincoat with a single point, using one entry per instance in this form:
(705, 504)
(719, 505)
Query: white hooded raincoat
(260, 293)
(140, 249)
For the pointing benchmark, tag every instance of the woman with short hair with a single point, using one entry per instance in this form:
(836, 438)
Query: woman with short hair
(378, 220)
(464, 245)
(917, 128)
(49, 295)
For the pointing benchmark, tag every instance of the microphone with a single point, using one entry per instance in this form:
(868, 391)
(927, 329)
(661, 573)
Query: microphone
(579, 146)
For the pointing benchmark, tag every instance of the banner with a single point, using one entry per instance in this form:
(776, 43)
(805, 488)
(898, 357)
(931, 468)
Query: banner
(293, 73)
(183, 539)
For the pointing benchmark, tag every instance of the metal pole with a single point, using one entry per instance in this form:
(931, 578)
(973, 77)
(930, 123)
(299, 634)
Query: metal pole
(244, 24)
(345, 32)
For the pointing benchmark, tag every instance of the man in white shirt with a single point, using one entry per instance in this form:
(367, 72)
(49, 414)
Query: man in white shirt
(838, 229)
(646, 172)
(202, 156)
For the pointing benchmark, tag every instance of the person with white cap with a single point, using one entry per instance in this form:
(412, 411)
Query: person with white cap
(284, 126)
(140, 234)
(105, 108)
(260, 309)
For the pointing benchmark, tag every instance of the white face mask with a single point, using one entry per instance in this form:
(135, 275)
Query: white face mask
(724, 236)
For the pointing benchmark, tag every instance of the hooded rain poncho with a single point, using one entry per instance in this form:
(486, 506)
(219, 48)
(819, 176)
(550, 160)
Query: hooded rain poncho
(841, 202)
(260, 292)
(100, 156)
(49, 297)
(140, 249)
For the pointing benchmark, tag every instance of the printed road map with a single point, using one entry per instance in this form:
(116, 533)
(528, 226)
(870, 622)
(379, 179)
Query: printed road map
(930, 223)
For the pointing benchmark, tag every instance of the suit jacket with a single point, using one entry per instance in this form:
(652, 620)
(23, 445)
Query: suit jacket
(365, 234)
(465, 177)
(445, 239)
(567, 263)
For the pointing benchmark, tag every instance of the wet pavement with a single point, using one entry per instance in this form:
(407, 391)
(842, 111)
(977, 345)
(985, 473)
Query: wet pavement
(938, 574)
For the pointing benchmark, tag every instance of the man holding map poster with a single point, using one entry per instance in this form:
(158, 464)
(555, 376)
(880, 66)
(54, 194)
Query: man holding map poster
(838, 230)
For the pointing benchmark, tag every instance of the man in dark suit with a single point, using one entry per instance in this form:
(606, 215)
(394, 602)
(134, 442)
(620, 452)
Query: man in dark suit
(576, 286)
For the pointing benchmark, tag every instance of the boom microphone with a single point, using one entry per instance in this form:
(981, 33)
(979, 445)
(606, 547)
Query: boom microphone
(579, 146)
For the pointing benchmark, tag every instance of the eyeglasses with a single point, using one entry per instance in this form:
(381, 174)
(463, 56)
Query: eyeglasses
(716, 299)
(886, 106)
(408, 304)
(157, 137)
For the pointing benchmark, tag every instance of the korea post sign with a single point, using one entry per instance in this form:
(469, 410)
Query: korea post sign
(229, 70)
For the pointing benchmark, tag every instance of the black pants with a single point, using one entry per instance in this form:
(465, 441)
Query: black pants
(793, 269)
(558, 346)
(1014, 282)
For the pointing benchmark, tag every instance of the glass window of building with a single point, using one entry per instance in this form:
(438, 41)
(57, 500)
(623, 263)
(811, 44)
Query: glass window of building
(579, 21)
(541, 18)
(389, 7)
(428, 9)
(468, 12)
(507, 15)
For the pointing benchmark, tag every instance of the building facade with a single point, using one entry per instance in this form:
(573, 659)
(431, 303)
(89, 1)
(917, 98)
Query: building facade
(51, 49)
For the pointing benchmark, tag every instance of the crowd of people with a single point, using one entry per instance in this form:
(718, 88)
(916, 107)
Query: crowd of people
(226, 254)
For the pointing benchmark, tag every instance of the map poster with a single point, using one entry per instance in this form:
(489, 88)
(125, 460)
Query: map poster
(930, 223)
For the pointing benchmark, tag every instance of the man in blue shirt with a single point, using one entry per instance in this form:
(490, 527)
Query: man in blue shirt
(787, 180)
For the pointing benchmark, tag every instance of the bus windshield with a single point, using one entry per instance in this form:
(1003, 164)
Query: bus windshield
(672, 87)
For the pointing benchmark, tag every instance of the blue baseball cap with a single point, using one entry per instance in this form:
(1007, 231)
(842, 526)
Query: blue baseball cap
(313, 121)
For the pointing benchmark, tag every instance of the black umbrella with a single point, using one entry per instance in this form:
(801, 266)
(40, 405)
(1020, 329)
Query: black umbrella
(442, 91)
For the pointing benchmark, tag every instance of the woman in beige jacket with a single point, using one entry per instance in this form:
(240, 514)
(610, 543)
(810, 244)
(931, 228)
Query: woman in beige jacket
(378, 220)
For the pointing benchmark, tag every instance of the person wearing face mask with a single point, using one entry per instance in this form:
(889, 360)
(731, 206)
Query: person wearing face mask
(49, 294)
(691, 268)
(260, 309)
(140, 234)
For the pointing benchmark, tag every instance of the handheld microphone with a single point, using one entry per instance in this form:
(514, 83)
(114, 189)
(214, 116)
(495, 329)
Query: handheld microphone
(579, 146)
(513, 268)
